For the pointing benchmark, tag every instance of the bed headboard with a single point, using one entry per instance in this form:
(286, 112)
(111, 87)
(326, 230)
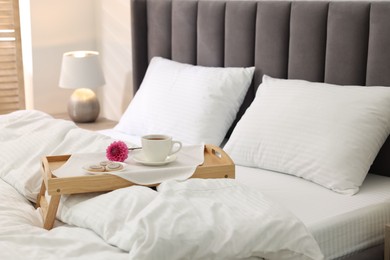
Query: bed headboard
(335, 42)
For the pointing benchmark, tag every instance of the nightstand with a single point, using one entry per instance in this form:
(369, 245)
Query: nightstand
(100, 123)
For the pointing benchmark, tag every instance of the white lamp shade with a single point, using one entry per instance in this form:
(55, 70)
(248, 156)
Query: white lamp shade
(81, 69)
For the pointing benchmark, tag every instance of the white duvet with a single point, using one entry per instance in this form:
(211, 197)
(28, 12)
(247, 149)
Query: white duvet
(193, 219)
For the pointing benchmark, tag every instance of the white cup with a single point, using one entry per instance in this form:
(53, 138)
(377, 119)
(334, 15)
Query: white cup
(156, 148)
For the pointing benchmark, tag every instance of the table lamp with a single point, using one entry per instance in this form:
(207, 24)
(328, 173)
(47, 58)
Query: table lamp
(81, 70)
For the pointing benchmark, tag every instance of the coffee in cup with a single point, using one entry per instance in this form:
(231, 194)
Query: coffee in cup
(156, 148)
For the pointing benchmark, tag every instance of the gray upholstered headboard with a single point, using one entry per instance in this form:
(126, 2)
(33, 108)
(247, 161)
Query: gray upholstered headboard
(335, 42)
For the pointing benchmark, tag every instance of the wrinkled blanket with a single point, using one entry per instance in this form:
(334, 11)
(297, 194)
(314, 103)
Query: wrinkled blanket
(193, 219)
(28, 135)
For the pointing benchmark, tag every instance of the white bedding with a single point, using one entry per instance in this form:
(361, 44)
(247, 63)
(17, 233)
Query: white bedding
(24, 144)
(28, 135)
(341, 224)
(22, 236)
(194, 219)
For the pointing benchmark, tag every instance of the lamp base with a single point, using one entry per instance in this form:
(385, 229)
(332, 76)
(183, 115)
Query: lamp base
(83, 106)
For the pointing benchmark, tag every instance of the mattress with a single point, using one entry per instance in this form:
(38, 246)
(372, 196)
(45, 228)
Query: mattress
(341, 224)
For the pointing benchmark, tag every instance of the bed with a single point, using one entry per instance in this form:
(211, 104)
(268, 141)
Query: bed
(305, 64)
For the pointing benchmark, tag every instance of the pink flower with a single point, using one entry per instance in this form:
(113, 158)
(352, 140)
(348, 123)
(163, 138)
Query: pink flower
(117, 151)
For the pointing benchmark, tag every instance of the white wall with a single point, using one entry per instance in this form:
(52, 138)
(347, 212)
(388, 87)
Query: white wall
(60, 26)
(114, 44)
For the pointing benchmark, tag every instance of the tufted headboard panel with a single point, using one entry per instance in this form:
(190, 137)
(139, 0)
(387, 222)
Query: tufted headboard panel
(335, 42)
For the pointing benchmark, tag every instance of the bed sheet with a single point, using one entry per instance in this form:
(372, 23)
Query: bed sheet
(115, 134)
(341, 224)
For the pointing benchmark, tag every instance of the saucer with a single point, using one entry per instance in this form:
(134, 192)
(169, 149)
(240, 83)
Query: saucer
(140, 158)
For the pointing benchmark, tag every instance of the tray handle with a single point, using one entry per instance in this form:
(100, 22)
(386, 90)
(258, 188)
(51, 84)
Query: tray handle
(46, 169)
(219, 153)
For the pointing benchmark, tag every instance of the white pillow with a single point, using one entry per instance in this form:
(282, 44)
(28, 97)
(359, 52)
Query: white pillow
(193, 104)
(324, 133)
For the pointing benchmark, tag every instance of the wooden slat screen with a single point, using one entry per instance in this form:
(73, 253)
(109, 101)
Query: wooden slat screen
(11, 68)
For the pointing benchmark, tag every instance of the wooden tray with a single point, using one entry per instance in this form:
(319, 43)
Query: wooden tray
(217, 164)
